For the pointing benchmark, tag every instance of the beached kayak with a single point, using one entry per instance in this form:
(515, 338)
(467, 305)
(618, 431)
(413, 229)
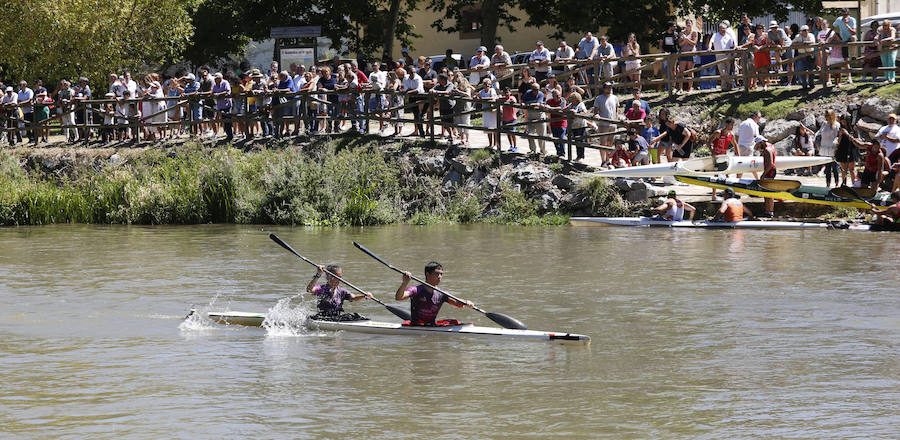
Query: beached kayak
(886, 227)
(651, 222)
(819, 195)
(704, 166)
(391, 328)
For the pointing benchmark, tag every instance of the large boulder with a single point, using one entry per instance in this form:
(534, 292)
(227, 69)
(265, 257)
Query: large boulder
(878, 108)
(429, 165)
(623, 184)
(779, 129)
(550, 200)
(796, 115)
(810, 122)
(784, 147)
(562, 181)
(452, 179)
(531, 174)
(868, 125)
(459, 166)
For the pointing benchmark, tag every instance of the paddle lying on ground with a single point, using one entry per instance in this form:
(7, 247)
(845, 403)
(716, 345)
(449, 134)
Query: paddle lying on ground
(853, 193)
(779, 184)
(402, 314)
(504, 320)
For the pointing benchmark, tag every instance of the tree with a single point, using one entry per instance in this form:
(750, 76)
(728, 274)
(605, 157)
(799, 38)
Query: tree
(494, 14)
(92, 38)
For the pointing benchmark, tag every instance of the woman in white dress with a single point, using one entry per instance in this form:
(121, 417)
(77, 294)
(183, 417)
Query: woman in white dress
(489, 115)
(464, 89)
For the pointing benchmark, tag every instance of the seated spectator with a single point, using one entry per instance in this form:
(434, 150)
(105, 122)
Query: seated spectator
(638, 147)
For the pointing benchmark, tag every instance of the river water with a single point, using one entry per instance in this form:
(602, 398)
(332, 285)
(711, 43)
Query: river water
(696, 334)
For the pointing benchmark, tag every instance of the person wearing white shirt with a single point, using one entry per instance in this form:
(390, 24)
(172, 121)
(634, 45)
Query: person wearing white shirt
(25, 98)
(889, 135)
(129, 83)
(479, 61)
(413, 86)
(723, 40)
(540, 61)
(747, 132)
(9, 101)
(607, 54)
(565, 53)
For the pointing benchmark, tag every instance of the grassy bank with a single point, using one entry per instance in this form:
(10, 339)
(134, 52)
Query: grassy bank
(326, 183)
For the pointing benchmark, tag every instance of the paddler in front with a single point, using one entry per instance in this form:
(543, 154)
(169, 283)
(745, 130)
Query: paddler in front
(331, 295)
(673, 208)
(732, 209)
(768, 153)
(425, 302)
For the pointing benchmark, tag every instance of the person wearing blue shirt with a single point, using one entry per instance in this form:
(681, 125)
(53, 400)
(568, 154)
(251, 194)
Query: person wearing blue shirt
(846, 25)
(533, 97)
(651, 132)
(285, 85)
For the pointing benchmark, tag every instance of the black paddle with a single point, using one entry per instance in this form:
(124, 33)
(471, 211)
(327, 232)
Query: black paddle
(504, 320)
(402, 314)
(848, 192)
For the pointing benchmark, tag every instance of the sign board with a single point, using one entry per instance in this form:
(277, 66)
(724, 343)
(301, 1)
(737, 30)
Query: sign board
(853, 4)
(305, 56)
(296, 32)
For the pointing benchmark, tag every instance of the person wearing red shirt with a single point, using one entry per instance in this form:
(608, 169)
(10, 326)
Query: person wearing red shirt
(558, 123)
(509, 118)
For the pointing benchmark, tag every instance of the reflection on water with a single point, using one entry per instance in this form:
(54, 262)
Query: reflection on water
(711, 334)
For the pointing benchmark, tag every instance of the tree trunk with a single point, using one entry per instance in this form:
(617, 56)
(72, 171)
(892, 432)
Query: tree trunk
(391, 29)
(489, 23)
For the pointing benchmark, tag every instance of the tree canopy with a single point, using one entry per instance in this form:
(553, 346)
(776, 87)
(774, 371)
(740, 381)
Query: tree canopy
(72, 38)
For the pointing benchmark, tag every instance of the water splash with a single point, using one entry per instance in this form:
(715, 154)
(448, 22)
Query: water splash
(198, 318)
(284, 320)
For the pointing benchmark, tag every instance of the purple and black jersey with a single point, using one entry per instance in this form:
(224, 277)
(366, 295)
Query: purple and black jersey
(331, 301)
(424, 305)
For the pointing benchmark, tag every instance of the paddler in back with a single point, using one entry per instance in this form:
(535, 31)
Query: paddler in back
(767, 151)
(331, 295)
(425, 302)
(732, 209)
(673, 208)
(889, 214)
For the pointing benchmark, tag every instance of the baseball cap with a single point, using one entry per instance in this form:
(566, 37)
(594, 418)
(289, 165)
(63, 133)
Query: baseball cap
(9, 88)
(728, 191)
(404, 50)
(804, 28)
(190, 76)
(481, 49)
(759, 138)
(892, 115)
(671, 193)
(607, 84)
(217, 75)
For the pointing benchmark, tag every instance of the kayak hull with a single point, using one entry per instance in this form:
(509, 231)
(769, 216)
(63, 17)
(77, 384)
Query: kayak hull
(705, 166)
(700, 224)
(804, 194)
(390, 328)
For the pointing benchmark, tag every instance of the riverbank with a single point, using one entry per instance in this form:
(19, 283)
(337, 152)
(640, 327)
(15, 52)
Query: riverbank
(341, 180)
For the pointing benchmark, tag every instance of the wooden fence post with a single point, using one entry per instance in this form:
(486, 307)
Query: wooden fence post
(671, 62)
(745, 65)
(498, 129)
(569, 137)
(431, 114)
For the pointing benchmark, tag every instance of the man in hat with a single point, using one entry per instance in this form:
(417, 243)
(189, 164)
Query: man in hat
(767, 151)
(11, 112)
(846, 26)
(479, 61)
(501, 59)
(673, 208)
(25, 98)
(191, 87)
(540, 61)
(889, 136)
(777, 38)
(802, 44)
(722, 40)
(222, 91)
(83, 115)
(732, 209)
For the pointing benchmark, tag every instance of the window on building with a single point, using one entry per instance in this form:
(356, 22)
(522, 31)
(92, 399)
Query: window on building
(470, 27)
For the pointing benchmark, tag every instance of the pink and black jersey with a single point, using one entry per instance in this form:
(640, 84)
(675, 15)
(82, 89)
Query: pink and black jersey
(424, 305)
(330, 301)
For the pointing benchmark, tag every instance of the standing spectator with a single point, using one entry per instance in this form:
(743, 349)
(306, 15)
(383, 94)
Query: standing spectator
(222, 91)
(680, 137)
(637, 96)
(173, 89)
(191, 87)
(413, 87)
(443, 90)
(462, 108)
(206, 85)
(687, 43)
(25, 99)
(488, 115)
(552, 84)
(540, 61)
(789, 53)
(776, 39)
(479, 61)
(115, 86)
(747, 132)
(587, 50)
(525, 81)
(283, 109)
(42, 113)
(565, 53)
(762, 59)
(889, 136)
(395, 86)
(847, 153)
(649, 132)
(378, 83)
(822, 38)
(500, 60)
(449, 61)
(570, 87)
(534, 98)
(885, 38)
(509, 118)
(579, 125)
(11, 112)
(606, 106)
(129, 84)
(845, 25)
(632, 49)
(558, 123)
(83, 115)
(803, 45)
(722, 41)
(872, 60)
(155, 109)
(67, 120)
(835, 56)
(639, 148)
(744, 29)
(828, 139)
(668, 42)
(607, 55)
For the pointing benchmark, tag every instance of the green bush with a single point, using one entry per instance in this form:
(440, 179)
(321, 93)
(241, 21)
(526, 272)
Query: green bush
(605, 198)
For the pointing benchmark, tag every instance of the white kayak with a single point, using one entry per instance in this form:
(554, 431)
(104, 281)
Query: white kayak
(652, 222)
(391, 328)
(704, 166)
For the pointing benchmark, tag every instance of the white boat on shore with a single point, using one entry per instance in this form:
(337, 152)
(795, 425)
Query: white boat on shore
(653, 222)
(705, 166)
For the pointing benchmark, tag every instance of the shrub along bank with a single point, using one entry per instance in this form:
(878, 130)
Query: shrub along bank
(354, 181)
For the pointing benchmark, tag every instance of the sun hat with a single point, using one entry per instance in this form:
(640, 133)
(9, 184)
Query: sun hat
(804, 28)
(773, 23)
(255, 73)
(759, 138)
(9, 88)
(218, 75)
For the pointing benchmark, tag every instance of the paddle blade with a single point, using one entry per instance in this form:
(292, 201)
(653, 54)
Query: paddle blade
(779, 185)
(506, 321)
(402, 314)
